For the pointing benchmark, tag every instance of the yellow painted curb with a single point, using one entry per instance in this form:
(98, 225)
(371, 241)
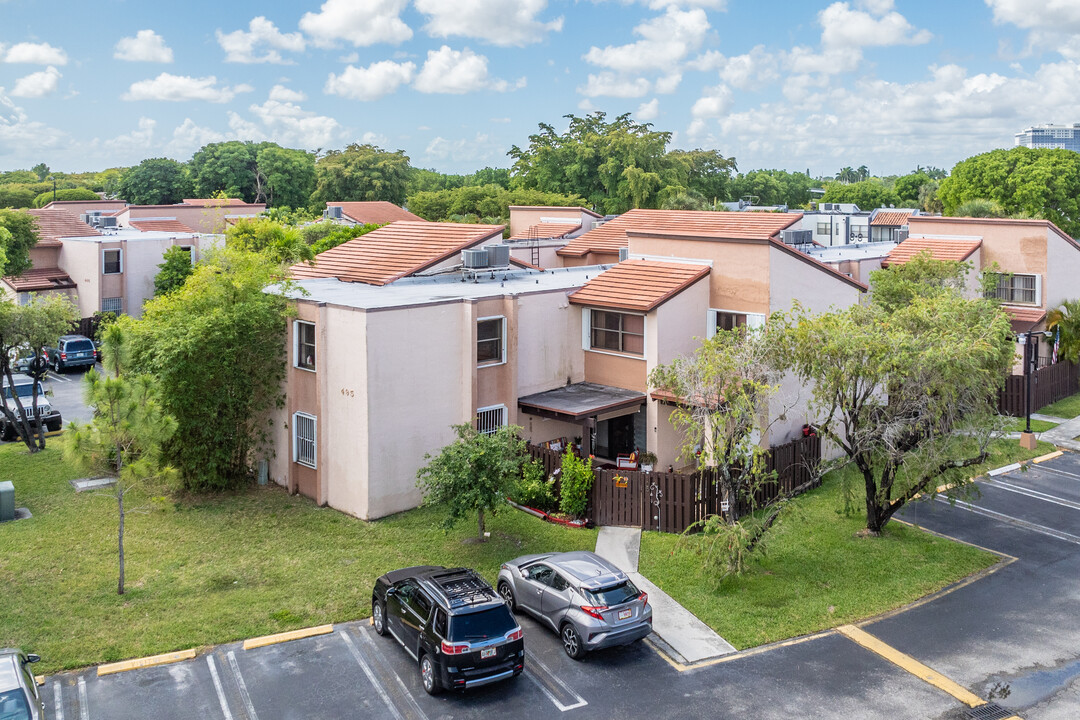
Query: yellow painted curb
(1050, 456)
(913, 666)
(151, 661)
(286, 636)
(39, 679)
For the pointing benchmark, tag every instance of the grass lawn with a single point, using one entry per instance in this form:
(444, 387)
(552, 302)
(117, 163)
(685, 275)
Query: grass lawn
(1020, 424)
(817, 573)
(209, 569)
(1067, 408)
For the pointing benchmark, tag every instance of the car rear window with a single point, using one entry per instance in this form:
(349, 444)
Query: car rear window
(78, 346)
(13, 705)
(482, 625)
(614, 595)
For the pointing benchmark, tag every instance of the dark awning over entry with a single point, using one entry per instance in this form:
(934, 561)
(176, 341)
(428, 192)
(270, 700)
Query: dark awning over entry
(579, 401)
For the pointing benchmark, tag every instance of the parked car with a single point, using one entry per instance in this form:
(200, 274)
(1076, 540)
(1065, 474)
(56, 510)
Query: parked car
(19, 698)
(452, 622)
(43, 411)
(73, 351)
(588, 601)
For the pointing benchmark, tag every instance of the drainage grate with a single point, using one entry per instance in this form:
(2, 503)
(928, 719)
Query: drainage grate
(989, 711)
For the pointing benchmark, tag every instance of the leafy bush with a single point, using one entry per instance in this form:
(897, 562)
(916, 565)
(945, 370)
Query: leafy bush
(577, 480)
(533, 489)
(47, 197)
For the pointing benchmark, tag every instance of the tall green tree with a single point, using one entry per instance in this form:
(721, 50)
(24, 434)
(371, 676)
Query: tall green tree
(227, 167)
(174, 270)
(773, 187)
(707, 172)
(284, 177)
(124, 440)
(473, 474)
(867, 194)
(215, 347)
(905, 392)
(361, 172)
(281, 244)
(35, 326)
(1024, 181)
(68, 194)
(909, 186)
(156, 181)
(20, 237)
(484, 201)
(41, 170)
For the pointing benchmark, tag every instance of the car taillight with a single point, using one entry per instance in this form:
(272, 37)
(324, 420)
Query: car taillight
(514, 635)
(594, 610)
(644, 598)
(63, 356)
(454, 648)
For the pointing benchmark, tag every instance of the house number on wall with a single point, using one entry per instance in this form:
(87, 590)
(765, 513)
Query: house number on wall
(348, 393)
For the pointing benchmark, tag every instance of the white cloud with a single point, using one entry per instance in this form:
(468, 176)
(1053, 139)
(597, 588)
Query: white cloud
(188, 137)
(479, 150)
(714, 103)
(648, 111)
(288, 124)
(179, 88)
(740, 71)
(37, 84)
(22, 137)
(243, 47)
(1053, 24)
(371, 82)
(146, 46)
(457, 72)
(499, 22)
(665, 41)
(35, 54)
(843, 26)
(140, 139)
(610, 84)
(374, 138)
(359, 23)
(499, 120)
(284, 94)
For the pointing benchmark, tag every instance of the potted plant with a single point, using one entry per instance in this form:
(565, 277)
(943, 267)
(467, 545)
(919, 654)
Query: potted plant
(648, 461)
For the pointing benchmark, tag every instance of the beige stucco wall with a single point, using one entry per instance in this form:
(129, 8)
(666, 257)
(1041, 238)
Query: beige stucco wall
(82, 262)
(549, 350)
(521, 218)
(623, 371)
(45, 256)
(792, 278)
(1062, 280)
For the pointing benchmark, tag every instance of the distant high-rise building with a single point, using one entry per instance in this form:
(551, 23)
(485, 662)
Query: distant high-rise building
(1060, 137)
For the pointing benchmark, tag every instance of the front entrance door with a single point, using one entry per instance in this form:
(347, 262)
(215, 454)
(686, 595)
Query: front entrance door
(615, 437)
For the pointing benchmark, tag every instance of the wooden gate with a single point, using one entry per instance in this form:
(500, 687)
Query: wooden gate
(618, 497)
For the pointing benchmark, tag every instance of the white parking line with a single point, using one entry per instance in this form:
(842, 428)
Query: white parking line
(1042, 529)
(533, 660)
(217, 686)
(54, 376)
(1033, 494)
(243, 688)
(370, 675)
(84, 704)
(1058, 471)
(58, 700)
(367, 640)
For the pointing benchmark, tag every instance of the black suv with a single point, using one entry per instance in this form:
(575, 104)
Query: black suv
(73, 351)
(456, 627)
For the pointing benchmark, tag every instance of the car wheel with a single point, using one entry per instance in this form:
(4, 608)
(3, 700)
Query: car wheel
(427, 676)
(56, 366)
(8, 434)
(378, 617)
(571, 642)
(508, 596)
(54, 426)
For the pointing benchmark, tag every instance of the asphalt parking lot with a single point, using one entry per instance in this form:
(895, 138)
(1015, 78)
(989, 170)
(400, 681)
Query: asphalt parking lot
(1011, 636)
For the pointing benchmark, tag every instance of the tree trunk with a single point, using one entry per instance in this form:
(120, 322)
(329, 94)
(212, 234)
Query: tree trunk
(873, 507)
(480, 521)
(120, 502)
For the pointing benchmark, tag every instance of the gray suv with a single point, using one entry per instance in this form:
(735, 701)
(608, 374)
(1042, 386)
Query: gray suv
(73, 351)
(24, 390)
(19, 698)
(588, 601)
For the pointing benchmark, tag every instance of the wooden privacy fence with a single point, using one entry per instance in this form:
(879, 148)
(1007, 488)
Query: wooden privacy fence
(672, 502)
(1048, 385)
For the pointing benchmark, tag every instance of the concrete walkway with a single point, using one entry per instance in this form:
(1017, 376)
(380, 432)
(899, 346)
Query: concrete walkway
(1064, 434)
(685, 637)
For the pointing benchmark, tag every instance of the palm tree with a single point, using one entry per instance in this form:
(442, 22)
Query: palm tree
(847, 175)
(863, 172)
(1065, 320)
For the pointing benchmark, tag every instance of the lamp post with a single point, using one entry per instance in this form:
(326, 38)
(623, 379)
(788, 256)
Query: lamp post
(1031, 365)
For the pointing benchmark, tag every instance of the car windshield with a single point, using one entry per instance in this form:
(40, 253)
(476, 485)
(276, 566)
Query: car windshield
(482, 625)
(13, 705)
(78, 346)
(24, 391)
(614, 595)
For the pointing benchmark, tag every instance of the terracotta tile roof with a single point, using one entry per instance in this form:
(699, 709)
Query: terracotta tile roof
(213, 202)
(1024, 319)
(897, 218)
(54, 223)
(40, 279)
(523, 264)
(395, 251)
(611, 236)
(170, 225)
(378, 212)
(638, 284)
(544, 230)
(940, 249)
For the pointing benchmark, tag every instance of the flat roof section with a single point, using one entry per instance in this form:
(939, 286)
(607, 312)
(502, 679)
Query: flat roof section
(574, 403)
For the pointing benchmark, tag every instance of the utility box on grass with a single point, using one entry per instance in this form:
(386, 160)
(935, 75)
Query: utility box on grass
(7, 501)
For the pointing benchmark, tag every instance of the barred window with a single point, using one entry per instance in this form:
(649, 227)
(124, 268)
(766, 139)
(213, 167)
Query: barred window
(304, 439)
(620, 332)
(490, 419)
(113, 305)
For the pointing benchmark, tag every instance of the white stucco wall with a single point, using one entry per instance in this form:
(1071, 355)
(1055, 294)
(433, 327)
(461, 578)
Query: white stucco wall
(81, 260)
(1062, 272)
(548, 342)
(791, 278)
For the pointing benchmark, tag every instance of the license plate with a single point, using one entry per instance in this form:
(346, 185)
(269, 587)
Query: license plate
(487, 653)
(623, 614)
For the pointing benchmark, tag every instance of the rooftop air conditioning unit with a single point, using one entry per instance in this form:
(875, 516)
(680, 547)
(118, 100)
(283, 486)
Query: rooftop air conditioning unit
(797, 237)
(624, 253)
(901, 235)
(474, 258)
(334, 212)
(108, 221)
(498, 255)
(83, 217)
(829, 206)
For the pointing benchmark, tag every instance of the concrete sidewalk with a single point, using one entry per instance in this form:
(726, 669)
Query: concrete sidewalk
(1064, 435)
(686, 638)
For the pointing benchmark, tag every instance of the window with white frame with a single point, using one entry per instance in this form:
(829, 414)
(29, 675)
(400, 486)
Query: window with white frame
(1017, 289)
(824, 229)
(490, 419)
(304, 445)
(729, 320)
(617, 332)
(304, 345)
(113, 305)
(112, 261)
(490, 341)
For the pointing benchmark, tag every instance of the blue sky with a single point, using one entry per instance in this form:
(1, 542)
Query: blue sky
(798, 85)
